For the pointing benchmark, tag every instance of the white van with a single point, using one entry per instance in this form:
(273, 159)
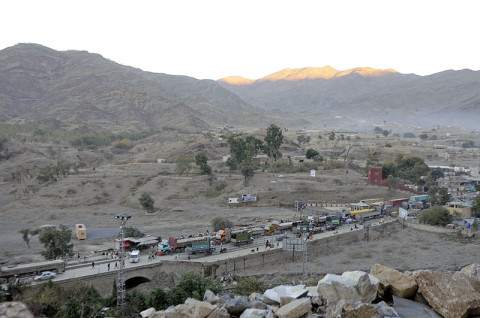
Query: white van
(134, 256)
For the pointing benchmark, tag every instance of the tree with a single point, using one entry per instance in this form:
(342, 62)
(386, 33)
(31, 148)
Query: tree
(242, 150)
(56, 242)
(273, 141)
(201, 160)
(423, 136)
(311, 153)
(28, 234)
(147, 202)
(303, 139)
(158, 299)
(232, 163)
(443, 195)
(130, 231)
(248, 172)
(221, 223)
(331, 135)
(408, 135)
(436, 215)
(476, 206)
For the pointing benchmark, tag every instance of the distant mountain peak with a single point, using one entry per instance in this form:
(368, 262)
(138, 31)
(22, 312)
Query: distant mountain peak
(297, 74)
(236, 80)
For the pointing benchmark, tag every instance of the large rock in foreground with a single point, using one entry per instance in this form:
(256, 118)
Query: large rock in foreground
(356, 286)
(452, 298)
(397, 282)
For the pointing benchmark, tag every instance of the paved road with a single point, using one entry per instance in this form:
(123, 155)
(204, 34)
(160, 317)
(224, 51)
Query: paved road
(85, 269)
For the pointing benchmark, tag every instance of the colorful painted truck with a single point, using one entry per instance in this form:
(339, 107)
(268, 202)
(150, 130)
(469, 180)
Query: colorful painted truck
(163, 248)
(206, 245)
(241, 238)
(364, 214)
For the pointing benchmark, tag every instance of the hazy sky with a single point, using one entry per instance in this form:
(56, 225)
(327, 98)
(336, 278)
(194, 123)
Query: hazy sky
(254, 38)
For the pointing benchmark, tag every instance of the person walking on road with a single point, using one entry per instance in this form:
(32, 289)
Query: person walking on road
(93, 265)
(115, 265)
(108, 266)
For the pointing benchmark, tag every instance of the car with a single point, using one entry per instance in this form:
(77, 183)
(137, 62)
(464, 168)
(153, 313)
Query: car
(331, 228)
(281, 237)
(45, 275)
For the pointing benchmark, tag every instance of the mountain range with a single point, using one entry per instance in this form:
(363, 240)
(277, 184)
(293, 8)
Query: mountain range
(77, 89)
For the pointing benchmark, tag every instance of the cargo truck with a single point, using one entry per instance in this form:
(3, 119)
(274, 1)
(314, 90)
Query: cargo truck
(241, 238)
(163, 248)
(206, 245)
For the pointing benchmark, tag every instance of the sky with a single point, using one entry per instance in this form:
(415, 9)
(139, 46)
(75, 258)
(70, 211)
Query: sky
(254, 38)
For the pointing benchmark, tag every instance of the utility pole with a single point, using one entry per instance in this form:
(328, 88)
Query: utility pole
(121, 268)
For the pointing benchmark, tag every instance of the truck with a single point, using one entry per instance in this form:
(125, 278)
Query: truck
(134, 256)
(81, 231)
(163, 248)
(241, 238)
(269, 229)
(206, 245)
(364, 214)
(223, 236)
(180, 245)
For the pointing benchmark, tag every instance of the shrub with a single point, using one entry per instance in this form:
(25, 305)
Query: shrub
(221, 223)
(436, 215)
(247, 286)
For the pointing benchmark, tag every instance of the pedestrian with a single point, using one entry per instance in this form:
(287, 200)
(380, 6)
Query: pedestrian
(93, 265)
(108, 266)
(115, 265)
(257, 248)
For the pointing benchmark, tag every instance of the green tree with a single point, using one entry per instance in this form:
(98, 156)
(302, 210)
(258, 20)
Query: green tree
(158, 299)
(443, 196)
(311, 153)
(248, 172)
(130, 231)
(147, 202)
(28, 234)
(476, 206)
(56, 242)
(303, 139)
(82, 301)
(389, 168)
(232, 163)
(201, 160)
(331, 135)
(436, 215)
(193, 283)
(273, 141)
(408, 135)
(137, 301)
(423, 136)
(221, 223)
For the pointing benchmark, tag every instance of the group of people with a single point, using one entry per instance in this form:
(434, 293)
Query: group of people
(108, 266)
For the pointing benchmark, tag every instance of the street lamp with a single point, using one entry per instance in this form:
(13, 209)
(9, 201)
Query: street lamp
(121, 278)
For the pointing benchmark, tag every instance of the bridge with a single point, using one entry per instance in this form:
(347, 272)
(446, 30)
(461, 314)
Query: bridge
(212, 266)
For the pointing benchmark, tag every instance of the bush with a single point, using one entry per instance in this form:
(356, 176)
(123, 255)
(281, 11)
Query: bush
(436, 215)
(221, 223)
(247, 286)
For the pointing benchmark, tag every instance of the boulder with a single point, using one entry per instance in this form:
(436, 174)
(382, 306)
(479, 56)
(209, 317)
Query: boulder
(237, 305)
(398, 283)
(471, 270)
(410, 308)
(219, 313)
(295, 309)
(360, 311)
(350, 286)
(181, 311)
(448, 296)
(272, 296)
(203, 309)
(14, 309)
(285, 300)
(148, 312)
(385, 310)
(210, 297)
(257, 313)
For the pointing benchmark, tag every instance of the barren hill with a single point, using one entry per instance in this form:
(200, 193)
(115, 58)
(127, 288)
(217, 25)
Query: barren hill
(84, 89)
(367, 95)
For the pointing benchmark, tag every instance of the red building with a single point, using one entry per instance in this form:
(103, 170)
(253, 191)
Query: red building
(375, 176)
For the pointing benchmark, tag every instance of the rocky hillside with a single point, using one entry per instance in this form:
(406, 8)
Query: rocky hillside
(366, 95)
(78, 89)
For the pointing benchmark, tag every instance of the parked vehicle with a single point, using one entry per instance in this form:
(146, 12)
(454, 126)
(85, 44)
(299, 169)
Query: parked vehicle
(223, 236)
(281, 237)
(206, 245)
(45, 276)
(241, 238)
(134, 256)
(163, 248)
(331, 227)
(364, 214)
